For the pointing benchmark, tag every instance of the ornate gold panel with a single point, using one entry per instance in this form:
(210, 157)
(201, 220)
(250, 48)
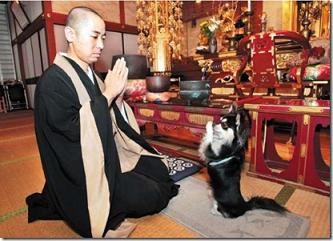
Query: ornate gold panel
(199, 119)
(146, 112)
(304, 109)
(282, 60)
(306, 120)
(223, 91)
(170, 115)
(251, 106)
(303, 150)
(231, 65)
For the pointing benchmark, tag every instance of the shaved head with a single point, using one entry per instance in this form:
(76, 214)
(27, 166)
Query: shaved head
(85, 34)
(78, 17)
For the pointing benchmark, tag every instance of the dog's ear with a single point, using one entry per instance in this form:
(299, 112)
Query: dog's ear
(233, 107)
(243, 126)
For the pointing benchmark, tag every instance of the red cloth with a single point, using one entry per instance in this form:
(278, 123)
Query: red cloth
(312, 72)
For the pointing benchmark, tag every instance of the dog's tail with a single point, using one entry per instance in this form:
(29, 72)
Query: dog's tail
(265, 203)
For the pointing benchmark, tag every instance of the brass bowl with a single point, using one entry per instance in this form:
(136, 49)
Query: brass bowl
(157, 84)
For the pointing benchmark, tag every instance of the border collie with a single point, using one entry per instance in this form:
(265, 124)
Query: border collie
(223, 150)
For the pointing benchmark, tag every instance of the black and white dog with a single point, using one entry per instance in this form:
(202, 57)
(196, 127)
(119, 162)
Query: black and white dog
(223, 150)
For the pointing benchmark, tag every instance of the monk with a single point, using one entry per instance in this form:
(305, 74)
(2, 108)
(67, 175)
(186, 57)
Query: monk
(98, 169)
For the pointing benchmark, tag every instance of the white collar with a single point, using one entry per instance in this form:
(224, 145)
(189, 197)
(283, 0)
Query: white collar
(90, 74)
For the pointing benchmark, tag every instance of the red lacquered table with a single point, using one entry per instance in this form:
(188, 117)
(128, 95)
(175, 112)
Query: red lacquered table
(183, 121)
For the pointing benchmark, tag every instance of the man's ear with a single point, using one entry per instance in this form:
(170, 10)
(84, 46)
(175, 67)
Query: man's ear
(69, 34)
(243, 125)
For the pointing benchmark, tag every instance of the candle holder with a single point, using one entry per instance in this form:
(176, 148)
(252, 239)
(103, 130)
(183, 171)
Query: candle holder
(232, 43)
(263, 21)
(309, 13)
(247, 19)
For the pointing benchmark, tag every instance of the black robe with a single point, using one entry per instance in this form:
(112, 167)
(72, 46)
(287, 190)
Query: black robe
(144, 190)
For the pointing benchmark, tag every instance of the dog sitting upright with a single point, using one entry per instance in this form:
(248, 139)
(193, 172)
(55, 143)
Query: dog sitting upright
(223, 149)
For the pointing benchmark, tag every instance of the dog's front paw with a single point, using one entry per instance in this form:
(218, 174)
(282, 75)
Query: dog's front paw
(206, 140)
(209, 128)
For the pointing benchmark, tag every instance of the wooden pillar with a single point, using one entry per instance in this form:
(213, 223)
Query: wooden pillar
(49, 30)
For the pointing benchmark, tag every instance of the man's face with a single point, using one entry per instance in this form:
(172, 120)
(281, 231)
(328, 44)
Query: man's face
(88, 40)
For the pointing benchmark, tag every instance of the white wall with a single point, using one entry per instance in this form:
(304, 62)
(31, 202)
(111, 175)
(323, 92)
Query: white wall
(60, 39)
(130, 44)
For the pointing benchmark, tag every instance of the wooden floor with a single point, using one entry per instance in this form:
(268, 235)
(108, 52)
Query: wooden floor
(21, 174)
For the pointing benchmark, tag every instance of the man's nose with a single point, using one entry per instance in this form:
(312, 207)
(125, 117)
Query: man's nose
(100, 43)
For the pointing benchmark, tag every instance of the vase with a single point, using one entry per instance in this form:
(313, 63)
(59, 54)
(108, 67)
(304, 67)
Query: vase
(212, 45)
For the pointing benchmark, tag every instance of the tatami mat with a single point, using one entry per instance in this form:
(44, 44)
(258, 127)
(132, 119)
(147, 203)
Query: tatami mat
(18, 227)
(18, 147)
(160, 226)
(11, 122)
(21, 130)
(315, 206)
(18, 180)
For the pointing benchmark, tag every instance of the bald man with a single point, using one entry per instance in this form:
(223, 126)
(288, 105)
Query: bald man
(98, 168)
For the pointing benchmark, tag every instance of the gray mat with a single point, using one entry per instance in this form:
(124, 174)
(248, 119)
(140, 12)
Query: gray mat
(192, 207)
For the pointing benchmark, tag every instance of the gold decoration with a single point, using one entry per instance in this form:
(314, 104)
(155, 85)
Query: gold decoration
(146, 112)
(199, 119)
(251, 106)
(254, 142)
(305, 109)
(205, 64)
(306, 120)
(170, 115)
(231, 65)
(303, 150)
(223, 91)
(309, 13)
(160, 28)
(283, 61)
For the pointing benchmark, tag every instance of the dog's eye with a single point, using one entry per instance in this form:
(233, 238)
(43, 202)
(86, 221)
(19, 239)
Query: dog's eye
(224, 123)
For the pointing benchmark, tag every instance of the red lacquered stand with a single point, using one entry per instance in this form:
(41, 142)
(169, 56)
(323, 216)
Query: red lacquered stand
(306, 167)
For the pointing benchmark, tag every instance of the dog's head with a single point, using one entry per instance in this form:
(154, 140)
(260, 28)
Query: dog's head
(226, 137)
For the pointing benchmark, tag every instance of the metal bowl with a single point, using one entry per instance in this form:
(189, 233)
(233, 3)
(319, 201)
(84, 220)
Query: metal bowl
(158, 83)
(194, 85)
(194, 95)
(194, 90)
